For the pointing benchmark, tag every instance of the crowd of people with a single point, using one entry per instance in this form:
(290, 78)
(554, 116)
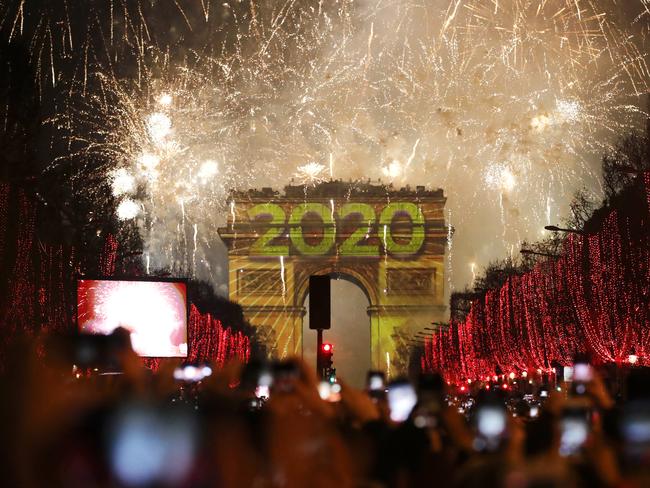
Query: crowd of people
(86, 412)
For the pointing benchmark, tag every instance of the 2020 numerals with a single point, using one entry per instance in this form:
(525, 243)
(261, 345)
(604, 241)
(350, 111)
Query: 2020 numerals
(353, 244)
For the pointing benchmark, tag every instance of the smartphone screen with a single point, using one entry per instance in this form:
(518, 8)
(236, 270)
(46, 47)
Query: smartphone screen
(635, 427)
(151, 446)
(94, 350)
(401, 400)
(264, 382)
(491, 421)
(575, 431)
(375, 381)
(582, 372)
(285, 374)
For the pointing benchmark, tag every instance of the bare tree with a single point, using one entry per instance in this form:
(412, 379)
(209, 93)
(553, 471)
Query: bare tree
(496, 273)
(582, 207)
(630, 156)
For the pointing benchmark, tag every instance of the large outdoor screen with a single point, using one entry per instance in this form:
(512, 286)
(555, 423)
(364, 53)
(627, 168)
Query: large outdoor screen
(154, 312)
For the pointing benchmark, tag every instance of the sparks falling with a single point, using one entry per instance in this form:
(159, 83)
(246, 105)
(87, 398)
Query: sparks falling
(505, 105)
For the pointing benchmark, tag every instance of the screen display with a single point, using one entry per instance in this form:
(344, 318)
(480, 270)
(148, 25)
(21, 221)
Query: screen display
(491, 421)
(582, 372)
(575, 430)
(154, 312)
(401, 400)
(376, 381)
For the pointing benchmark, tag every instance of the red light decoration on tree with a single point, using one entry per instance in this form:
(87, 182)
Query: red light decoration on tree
(41, 284)
(4, 205)
(211, 341)
(594, 297)
(20, 312)
(109, 256)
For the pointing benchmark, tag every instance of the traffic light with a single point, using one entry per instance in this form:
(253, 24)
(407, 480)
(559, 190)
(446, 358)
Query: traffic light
(326, 352)
(319, 302)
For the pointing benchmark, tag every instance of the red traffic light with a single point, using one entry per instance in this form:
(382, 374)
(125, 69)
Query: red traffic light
(327, 347)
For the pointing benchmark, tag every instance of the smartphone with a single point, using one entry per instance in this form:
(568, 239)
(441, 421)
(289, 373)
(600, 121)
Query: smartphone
(491, 421)
(582, 372)
(98, 351)
(285, 374)
(582, 376)
(150, 445)
(575, 428)
(401, 400)
(375, 381)
(264, 383)
(90, 350)
(635, 427)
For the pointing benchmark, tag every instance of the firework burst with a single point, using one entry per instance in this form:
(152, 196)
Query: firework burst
(311, 173)
(506, 105)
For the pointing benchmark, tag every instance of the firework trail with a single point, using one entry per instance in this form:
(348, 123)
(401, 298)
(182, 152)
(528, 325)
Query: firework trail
(507, 105)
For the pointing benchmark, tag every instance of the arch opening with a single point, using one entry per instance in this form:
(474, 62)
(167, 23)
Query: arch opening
(349, 332)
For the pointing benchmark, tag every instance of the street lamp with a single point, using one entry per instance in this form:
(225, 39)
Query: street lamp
(554, 228)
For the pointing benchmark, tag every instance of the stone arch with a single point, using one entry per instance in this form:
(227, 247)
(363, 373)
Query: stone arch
(275, 244)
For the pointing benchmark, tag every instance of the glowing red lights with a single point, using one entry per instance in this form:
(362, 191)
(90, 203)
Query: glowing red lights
(108, 256)
(594, 295)
(39, 285)
(211, 341)
(327, 347)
